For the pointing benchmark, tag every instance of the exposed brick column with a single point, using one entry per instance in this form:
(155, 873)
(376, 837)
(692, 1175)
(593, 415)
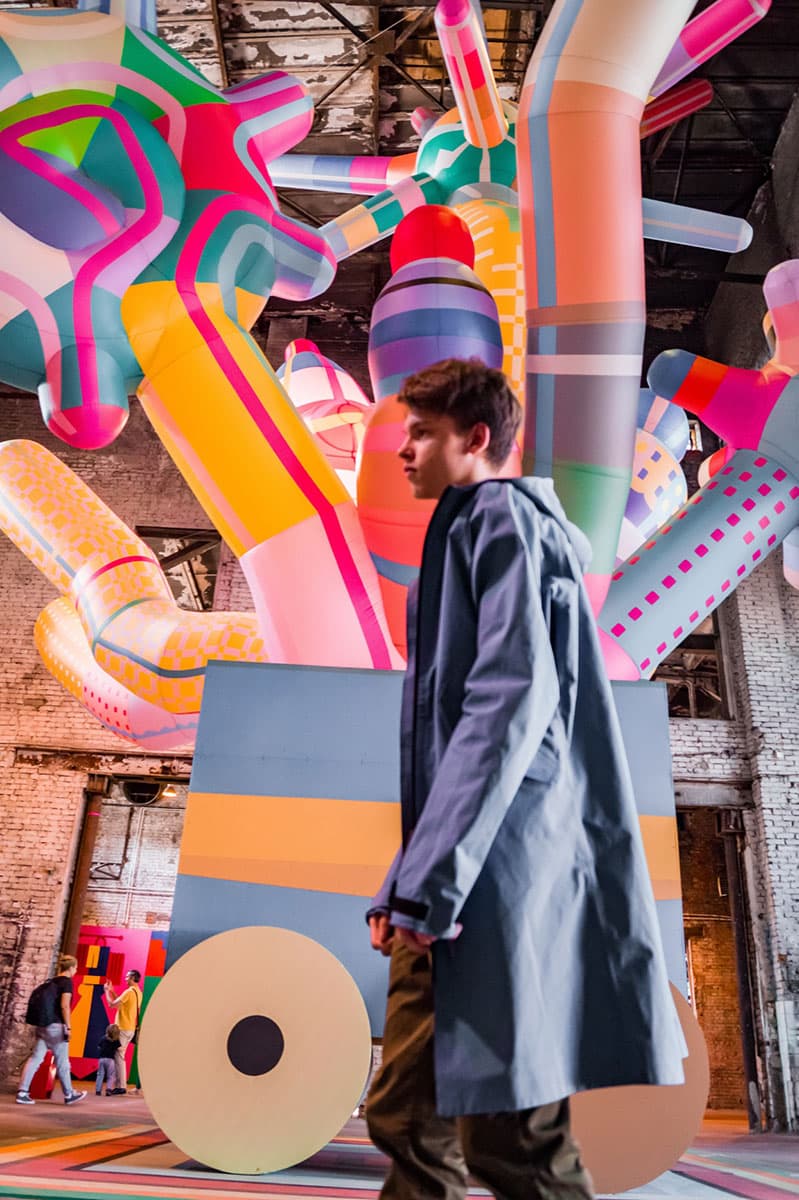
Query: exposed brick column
(760, 624)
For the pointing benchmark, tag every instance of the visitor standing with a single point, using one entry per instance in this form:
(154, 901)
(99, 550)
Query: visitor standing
(128, 1006)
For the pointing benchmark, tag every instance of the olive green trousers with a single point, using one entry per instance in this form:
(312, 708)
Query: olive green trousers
(529, 1154)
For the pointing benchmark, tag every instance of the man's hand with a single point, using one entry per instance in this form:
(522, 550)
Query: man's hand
(381, 932)
(419, 943)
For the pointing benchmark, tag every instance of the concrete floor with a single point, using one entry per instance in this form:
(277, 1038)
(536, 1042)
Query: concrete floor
(52, 1118)
(725, 1136)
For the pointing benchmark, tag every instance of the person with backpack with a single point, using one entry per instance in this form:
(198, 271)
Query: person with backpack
(49, 1009)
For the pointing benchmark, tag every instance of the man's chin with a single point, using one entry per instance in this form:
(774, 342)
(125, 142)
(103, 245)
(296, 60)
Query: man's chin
(420, 492)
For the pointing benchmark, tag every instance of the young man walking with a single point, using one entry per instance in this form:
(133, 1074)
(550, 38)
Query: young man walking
(525, 957)
(52, 1033)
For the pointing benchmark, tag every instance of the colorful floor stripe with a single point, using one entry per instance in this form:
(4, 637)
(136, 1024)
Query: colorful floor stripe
(750, 1182)
(136, 1162)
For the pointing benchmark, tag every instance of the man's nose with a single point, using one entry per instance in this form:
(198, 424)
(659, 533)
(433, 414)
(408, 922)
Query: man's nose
(404, 450)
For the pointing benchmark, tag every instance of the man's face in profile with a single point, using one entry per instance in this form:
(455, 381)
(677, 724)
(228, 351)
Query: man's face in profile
(435, 453)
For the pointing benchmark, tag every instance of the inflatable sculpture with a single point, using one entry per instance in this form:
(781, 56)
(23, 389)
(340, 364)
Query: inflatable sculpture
(170, 241)
(169, 245)
(750, 505)
(142, 238)
(330, 403)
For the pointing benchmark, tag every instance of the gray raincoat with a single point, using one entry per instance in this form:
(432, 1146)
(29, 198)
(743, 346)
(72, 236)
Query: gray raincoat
(519, 823)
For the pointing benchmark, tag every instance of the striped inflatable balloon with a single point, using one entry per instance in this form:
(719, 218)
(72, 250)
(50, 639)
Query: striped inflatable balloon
(430, 310)
(330, 403)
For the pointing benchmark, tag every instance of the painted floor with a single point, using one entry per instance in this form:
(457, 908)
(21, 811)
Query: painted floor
(110, 1149)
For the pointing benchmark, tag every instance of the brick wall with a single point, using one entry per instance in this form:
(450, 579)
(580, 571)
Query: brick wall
(135, 862)
(761, 634)
(41, 792)
(709, 935)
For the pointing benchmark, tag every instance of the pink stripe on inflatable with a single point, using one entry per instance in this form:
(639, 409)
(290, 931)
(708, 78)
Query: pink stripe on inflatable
(43, 319)
(185, 277)
(27, 157)
(731, 412)
(127, 241)
(119, 562)
(53, 79)
(705, 35)
(283, 612)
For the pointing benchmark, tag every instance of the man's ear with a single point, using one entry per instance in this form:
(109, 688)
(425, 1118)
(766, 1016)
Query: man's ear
(478, 438)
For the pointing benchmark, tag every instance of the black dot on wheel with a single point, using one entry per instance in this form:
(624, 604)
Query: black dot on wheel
(255, 1045)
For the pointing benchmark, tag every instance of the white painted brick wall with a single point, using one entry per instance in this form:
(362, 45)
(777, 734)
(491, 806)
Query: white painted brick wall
(760, 630)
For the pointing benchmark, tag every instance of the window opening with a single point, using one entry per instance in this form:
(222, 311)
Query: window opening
(190, 561)
(693, 675)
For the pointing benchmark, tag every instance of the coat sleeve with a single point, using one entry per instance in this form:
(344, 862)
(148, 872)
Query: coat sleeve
(510, 698)
(381, 903)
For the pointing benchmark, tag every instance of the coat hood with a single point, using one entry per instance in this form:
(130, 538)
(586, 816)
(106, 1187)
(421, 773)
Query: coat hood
(541, 491)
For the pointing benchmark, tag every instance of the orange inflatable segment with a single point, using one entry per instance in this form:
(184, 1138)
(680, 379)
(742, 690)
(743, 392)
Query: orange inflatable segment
(53, 517)
(302, 550)
(58, 636)
(61, 641)
(142, 639)
(496, 232)
(249, 409)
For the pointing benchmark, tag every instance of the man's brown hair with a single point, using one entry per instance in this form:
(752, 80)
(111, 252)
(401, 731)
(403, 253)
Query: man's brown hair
(470, 393)
(65, 961)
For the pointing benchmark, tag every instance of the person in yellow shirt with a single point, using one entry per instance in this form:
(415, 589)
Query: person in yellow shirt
(128, 1006)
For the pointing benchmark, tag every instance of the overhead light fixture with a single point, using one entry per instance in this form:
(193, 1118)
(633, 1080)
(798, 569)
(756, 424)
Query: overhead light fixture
(169, 791)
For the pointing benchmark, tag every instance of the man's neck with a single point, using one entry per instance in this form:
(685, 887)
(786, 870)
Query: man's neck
(481, 471)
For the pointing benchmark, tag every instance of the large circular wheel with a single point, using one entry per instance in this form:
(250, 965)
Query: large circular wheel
(630, 1135)
(254, 1050)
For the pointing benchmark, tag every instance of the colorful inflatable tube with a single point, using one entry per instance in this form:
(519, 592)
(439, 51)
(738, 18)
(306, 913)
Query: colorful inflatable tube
(330, 403)
(710, 31)
(657, 490)
(61, 641)
(314, 586)
(581, 108)
(675, 105)
(67, 274)
(748, 507)
(134, 636)
(463, 44)
(695, 561)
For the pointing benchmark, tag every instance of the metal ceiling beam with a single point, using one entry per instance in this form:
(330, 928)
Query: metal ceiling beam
(376, 55)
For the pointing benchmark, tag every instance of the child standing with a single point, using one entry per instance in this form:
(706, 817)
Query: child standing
(106, 1067)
